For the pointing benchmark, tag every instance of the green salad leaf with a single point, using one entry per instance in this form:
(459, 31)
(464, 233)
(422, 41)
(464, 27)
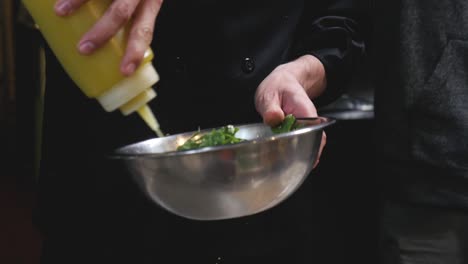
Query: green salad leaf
(227, 135)
(221, 136)
(289, 124)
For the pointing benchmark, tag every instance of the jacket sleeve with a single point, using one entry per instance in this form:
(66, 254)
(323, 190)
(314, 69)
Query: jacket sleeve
(333, 32)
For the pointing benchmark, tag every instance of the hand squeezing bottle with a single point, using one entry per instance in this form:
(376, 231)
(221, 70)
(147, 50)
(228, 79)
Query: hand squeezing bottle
(97, 75)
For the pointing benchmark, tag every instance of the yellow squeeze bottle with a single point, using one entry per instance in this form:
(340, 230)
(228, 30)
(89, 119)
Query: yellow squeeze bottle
(97, 75)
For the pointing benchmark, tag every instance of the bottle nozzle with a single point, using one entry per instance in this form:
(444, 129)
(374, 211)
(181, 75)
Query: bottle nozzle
(147, 115)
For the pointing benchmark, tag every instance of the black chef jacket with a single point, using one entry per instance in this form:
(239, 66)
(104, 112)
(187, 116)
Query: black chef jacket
(211, 56)
(421, 84)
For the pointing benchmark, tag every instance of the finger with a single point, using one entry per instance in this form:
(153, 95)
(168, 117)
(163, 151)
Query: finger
(273, 116)
(299, 106)
(141, 35)
(322, 145)
(66, 7)
(268, 105)
(119, 12)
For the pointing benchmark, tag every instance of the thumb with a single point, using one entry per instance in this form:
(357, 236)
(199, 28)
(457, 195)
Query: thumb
(268, 104)
(273, 115)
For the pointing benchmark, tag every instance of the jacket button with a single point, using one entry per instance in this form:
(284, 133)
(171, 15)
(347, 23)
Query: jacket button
(248, 65)
(179, 65)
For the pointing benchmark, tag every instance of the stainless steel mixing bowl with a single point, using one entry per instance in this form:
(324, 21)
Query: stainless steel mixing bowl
(225, 181)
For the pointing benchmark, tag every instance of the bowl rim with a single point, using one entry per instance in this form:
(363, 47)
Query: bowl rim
(324, 122)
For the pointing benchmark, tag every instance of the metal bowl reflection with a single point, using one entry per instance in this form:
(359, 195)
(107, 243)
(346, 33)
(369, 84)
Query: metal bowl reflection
(227, 181)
